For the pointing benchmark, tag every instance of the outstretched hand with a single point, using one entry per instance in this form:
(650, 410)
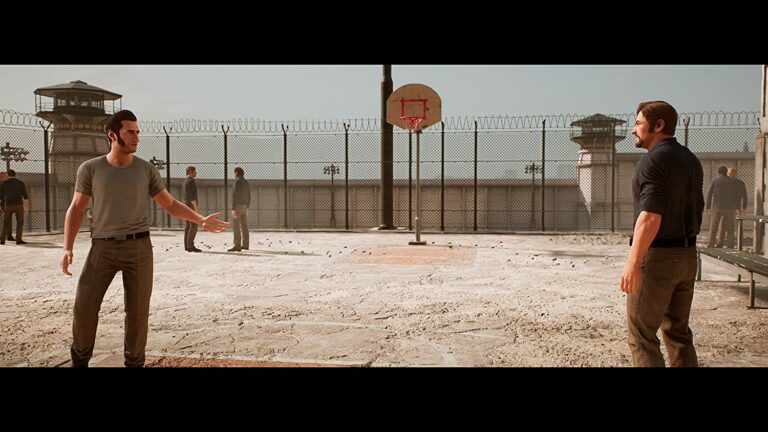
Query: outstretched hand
(213, 224)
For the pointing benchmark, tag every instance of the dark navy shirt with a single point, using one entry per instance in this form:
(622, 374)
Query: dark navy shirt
(669, 181)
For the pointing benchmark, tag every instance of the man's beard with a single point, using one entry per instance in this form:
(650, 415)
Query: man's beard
(123, 145)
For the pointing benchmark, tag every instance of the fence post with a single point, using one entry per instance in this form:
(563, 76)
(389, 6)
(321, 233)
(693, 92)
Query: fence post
(474, 226)
(226, 172)
(285, 176)
(613, 177)
(685, 123)
(543, 173)
(167, 170)
(346, 175)
(410, 179)
(442, 176)
(47, 178)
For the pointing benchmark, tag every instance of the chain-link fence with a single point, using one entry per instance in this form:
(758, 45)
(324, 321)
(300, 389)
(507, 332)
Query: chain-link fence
(477, 174)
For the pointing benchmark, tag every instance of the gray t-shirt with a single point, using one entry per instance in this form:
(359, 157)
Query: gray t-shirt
(120, 204)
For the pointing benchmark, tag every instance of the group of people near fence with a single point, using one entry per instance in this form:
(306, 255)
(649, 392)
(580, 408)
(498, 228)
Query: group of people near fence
(658, 277)
(726, 199)
(241, 200)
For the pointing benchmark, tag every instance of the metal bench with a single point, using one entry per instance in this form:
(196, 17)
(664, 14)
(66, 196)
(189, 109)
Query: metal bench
(751, 262)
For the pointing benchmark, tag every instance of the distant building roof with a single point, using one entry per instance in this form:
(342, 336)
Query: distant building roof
(80, 86)
(597, 118)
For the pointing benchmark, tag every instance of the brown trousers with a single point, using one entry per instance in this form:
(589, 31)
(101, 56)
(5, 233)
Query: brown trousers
(190, 231)
(726, 220)
(240, 226)
(105, 259)
(663, 300)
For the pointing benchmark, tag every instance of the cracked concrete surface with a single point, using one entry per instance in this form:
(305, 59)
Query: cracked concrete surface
(368, 299)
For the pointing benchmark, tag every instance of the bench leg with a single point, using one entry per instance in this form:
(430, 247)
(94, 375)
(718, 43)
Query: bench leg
(738, 277)
(751, 291)
(698, 266)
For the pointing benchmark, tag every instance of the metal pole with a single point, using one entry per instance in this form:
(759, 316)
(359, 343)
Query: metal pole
(418, 192)
(686, 122)
(47, 179)
(167, 170)
(387, 158)
(226, 172)
(543, 174)
(474, 226)
(442, 176)
(762, 94)
(346, 175)
(533, 194)
(333, 208)
(613, 177)
(410, 179)
(285, 176)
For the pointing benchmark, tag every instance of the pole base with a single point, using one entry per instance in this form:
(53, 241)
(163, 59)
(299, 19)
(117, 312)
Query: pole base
(417, 243)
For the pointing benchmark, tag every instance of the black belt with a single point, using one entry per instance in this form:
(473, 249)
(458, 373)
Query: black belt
(126, 236)
(672, 243)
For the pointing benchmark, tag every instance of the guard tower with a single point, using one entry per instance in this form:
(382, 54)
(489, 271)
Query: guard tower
(78, 113)
(597, 138)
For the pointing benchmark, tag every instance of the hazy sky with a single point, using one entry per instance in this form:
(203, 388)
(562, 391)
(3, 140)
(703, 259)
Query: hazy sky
(294, 92)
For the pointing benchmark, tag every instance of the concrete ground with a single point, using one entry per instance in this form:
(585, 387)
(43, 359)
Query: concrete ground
(369, 299)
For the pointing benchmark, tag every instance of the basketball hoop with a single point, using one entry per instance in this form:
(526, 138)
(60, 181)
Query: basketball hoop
(413, 123)
(413, 111)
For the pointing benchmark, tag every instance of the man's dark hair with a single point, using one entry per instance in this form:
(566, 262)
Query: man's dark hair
(722, 170)
(11, 173)
(653, 111)
(239, 172)
(114, 123)
(190, 169)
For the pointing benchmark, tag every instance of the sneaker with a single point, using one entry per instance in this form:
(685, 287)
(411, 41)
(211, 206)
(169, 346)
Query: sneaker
(195, 250)
(234, 249)
(20, 242)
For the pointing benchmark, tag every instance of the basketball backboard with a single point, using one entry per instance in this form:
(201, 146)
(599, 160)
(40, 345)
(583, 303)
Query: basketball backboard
(414, 107)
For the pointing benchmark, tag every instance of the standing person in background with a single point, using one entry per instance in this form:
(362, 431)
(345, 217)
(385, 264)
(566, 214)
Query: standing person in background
(4, 176)
(721, 199)
(661, 269)
(241, 199)
(189, 194)
(15, 201)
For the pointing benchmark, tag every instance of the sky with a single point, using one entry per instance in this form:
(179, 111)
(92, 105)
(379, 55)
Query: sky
(337, 92)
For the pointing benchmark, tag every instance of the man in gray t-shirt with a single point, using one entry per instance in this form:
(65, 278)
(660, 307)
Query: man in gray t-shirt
(119, 184)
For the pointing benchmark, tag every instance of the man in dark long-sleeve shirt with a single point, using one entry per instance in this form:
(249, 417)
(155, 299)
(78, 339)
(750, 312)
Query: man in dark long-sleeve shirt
(189, 194)
(722, 200)
(241, 199)
(15, 201)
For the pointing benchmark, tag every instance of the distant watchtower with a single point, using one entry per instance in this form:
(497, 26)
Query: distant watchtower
(597, 139)
(78, 114)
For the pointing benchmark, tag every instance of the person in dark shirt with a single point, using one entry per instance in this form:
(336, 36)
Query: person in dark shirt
(189, 193)
(241, 199)
(4, 176)
(721, 205)
(660, 271)
(741, 202)
(15, 201)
